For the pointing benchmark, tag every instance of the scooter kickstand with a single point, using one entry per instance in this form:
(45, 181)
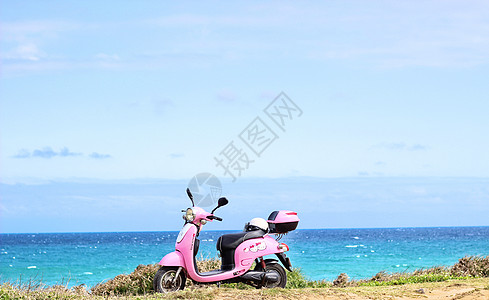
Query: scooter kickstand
(176, 275)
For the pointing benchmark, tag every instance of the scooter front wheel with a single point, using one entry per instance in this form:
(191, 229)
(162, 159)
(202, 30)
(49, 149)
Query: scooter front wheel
(168, 279)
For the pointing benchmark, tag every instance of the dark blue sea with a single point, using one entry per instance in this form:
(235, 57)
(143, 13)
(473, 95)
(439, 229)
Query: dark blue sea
(89, 258)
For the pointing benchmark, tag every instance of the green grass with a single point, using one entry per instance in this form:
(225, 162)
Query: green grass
(413, 279)
(297, 280)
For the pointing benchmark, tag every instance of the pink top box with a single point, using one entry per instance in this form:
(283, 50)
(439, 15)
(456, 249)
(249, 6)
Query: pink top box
(283, 221)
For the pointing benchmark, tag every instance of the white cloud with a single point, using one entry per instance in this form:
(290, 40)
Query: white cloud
(96, 155)
(389, 35)
(401, 146)
(107, 57)
(227, 95)
(189, 20)
(48, 28)
(29, 52)
(176, 155)
(396, 34)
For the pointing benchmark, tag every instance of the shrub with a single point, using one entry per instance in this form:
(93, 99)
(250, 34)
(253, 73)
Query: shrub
(474, 266)
(208, 264)
(140, 281)
(341, 280)
(297, 280)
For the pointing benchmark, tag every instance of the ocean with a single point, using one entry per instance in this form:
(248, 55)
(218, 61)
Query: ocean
(89, 258)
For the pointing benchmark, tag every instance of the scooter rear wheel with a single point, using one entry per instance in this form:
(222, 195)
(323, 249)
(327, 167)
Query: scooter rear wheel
(273, 267)
(166, 280)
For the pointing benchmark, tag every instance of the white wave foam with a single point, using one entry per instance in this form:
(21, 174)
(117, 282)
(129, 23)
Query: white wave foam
(31, 267)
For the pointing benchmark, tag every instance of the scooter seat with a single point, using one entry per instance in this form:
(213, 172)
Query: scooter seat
(231, 241)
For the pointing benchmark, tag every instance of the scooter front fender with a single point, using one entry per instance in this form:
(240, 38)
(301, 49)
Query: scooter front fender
(173, 259)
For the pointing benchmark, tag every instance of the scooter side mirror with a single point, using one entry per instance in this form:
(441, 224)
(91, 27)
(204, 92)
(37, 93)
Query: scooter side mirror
(221, 202)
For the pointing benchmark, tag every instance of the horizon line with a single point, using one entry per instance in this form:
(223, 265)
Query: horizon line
(332, 228)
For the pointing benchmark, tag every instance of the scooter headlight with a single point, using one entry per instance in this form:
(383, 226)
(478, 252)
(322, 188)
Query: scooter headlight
(189, 215)
(203, 222)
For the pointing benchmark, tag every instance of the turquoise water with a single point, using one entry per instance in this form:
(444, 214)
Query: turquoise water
(88, 258)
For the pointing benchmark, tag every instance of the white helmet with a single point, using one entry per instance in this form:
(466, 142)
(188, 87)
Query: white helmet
(257, 223)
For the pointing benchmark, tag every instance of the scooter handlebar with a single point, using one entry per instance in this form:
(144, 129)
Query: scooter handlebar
(214, 218)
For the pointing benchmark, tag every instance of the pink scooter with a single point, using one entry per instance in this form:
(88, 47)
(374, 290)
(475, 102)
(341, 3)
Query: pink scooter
(238, 251)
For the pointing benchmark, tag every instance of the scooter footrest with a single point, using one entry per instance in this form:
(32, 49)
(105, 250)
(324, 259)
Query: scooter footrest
(212, 273)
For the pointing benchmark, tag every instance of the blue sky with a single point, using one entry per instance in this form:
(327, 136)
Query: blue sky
(128, 90)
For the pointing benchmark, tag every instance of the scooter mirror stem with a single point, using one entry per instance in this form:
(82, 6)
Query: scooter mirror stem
(189, 194)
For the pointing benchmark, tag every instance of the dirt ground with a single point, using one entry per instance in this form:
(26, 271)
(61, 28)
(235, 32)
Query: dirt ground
(450, 290)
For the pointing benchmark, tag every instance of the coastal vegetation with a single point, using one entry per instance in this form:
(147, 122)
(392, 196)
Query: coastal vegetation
(470, 271)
